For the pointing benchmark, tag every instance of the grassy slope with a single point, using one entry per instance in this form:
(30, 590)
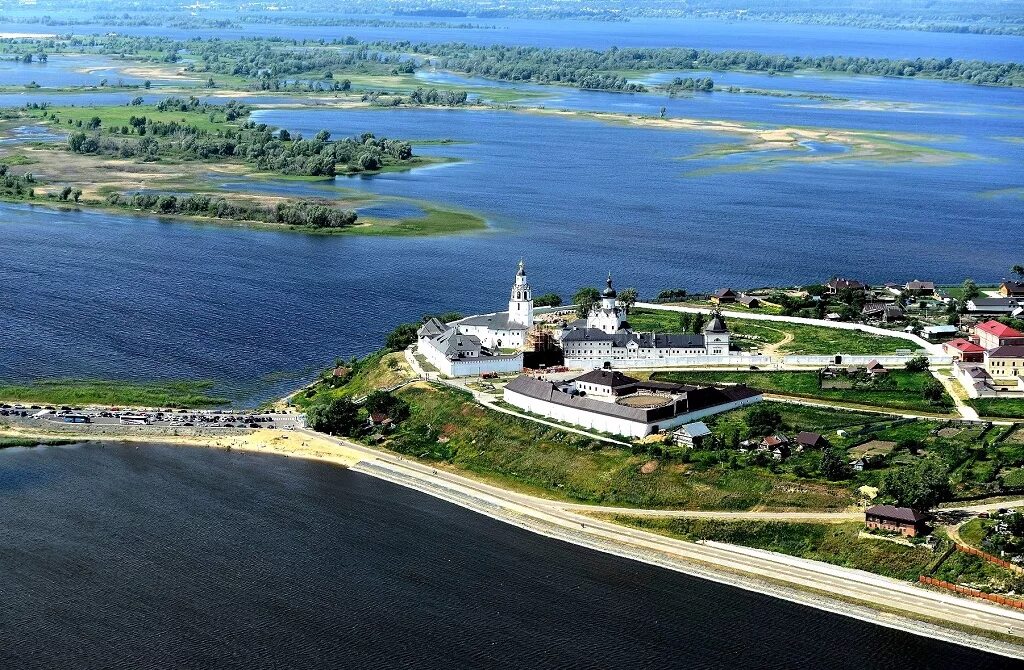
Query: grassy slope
(102, 392)
(812, 340)
(447, 426)
(838, 544)
(906, 394)
(377, 371)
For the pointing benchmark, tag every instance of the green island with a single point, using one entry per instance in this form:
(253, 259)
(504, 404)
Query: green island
(176, 145)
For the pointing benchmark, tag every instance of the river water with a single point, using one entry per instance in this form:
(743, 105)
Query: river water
(152, 557)
(107, 296)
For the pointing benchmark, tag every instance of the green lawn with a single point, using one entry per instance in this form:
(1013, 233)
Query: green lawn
(447, 426)
(902, 390)
(1011, 408)
(106, 392)
(810, 340)
(838, 544)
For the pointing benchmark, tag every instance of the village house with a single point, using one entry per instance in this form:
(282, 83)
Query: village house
(941, 330)
(920, 288)
(692, 435)
(903, 520)
(723, 295)
(751, 301)
(876, 369)
(837, 284)
(809, 440)
(964, 350)
(884, 312)
(1012, 289)
(995, 305)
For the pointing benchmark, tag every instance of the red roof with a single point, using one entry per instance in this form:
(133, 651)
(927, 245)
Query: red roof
(998, 329)
(963, 345)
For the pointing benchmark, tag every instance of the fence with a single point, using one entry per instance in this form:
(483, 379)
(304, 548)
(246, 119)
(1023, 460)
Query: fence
(956, 588)
(989, 557)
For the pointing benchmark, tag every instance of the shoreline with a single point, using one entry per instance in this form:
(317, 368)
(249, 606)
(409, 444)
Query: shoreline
(721, 564)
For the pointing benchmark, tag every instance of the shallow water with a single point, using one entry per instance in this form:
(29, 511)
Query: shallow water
(151, 556)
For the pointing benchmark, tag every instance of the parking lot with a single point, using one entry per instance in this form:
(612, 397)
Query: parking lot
(158, 418)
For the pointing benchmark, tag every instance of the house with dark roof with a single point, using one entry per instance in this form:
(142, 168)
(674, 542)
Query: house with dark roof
(1012, 289)
(723, 295)
(837, 284)
(883, 311)
(903, 520)
(751, 301)
(920, 288)
(994, 305)
(808, 440)
(650, 407)
(876, 369)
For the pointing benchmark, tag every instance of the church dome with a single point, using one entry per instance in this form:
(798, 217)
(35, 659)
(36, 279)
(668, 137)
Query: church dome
(608, 291)
(716, 325)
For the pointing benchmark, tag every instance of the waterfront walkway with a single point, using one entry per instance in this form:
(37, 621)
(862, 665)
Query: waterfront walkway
(849, 592)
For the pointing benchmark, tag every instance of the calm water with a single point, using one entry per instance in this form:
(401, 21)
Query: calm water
(152, 556)
(697, 33)
(104, 296)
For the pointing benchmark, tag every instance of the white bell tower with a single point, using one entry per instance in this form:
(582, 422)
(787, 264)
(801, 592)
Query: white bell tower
(520, 303)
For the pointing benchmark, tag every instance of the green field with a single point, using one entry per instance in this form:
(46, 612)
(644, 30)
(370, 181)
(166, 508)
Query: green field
(1011, 408)
(902, 390)
(119, 115)
(379, 370)
(974, 531)
(838, 543)
(806, 339)
(6, 442)
(105, 392)
(976, 572)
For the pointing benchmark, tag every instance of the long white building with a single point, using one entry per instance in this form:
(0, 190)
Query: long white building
(605, 337)
(610, 402)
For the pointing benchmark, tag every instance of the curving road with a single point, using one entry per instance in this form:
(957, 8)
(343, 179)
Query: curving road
(850, 592)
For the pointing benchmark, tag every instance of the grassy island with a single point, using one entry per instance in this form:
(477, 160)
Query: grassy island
(179, 147)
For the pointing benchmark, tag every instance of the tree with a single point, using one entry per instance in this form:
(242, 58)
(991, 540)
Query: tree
(833, 467)
(76, 141)
(763, 420)
(917, 364)
(685, 321)
(76, 194)
(933, 392)
(337, 416)
(401, 337)
(1018, 270)
(627, 298)
(971, 290)
(921, 485)
(697, 325)
(548, 300)
(391, 406)
(65, 193)
(585, 299)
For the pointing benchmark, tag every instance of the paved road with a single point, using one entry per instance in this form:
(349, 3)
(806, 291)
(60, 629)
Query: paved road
(725, 563)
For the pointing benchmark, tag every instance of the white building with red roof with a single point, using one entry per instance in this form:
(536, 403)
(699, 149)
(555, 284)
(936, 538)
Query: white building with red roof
(992, 334)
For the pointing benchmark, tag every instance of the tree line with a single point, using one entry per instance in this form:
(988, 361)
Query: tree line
(254, 143)
(312, 215)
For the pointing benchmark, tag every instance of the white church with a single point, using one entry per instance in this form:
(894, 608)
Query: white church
(494, 343)
(605, 339)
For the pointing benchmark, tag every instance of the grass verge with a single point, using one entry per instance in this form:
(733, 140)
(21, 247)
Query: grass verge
(107, 392)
